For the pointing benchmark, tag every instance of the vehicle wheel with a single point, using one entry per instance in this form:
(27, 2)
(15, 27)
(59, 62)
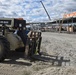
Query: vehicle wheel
(4, 48)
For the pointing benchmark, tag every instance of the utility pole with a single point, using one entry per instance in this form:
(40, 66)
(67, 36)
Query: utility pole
(45, 10)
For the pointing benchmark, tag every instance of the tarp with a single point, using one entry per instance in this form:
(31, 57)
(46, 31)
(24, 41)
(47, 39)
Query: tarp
(73, 14)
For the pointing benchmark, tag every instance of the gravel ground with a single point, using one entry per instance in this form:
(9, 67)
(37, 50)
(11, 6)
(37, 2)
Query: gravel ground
(62, 50)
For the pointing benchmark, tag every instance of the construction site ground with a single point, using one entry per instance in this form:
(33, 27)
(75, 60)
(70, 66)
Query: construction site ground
(61, 50)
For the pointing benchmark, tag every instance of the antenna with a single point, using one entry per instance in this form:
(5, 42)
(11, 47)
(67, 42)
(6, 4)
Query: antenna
(45, 10)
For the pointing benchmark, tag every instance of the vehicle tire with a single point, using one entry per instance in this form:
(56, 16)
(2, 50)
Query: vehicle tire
(4, 48)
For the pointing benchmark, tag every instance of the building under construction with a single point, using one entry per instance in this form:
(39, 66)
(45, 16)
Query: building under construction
(66, 24)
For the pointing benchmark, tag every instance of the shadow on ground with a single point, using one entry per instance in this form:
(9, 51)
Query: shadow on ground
(16, 58)
(54, 60)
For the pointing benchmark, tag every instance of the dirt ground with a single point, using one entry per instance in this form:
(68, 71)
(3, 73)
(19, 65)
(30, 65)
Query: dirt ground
(61, 48)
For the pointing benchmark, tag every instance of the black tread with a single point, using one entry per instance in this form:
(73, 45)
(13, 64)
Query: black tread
(5, 49)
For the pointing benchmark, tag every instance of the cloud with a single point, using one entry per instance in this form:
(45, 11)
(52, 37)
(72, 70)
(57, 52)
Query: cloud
(32, 10)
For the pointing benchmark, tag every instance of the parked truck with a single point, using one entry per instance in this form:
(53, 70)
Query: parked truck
(10, 41)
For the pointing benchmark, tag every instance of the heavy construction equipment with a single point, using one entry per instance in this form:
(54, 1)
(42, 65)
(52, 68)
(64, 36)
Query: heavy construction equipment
(10, 41)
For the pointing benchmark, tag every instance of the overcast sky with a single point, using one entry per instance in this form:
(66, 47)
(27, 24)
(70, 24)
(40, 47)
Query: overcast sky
(32, 10)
